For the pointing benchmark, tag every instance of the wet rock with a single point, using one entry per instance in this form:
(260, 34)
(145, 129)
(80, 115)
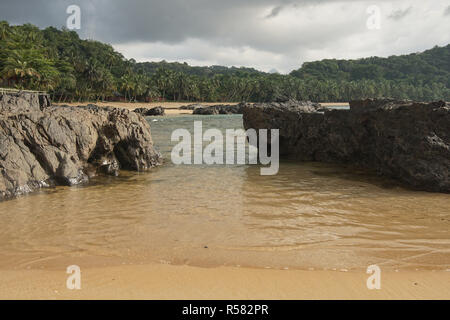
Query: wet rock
(406, 140)
(191, 107)
(156, 111)
(211, 110)
(220, 109)
(43, 145)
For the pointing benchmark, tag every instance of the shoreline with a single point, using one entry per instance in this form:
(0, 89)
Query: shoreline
(158, 281)
(170, 108)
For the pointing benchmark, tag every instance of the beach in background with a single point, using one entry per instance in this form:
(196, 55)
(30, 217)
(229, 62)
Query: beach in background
(171, 108)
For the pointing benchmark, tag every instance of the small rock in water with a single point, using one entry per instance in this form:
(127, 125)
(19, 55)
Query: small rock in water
(156, 111)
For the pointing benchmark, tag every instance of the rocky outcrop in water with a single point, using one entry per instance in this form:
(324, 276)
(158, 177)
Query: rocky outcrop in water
(192, 106)
(409, 141)
(220, 109)
(43, 145)
(156, 111)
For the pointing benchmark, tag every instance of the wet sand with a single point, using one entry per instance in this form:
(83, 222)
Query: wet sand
(183, 282)
(334, 104)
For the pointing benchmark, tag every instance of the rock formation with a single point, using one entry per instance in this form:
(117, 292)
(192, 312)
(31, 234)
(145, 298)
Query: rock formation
(220, 109)
(409, 141)
(23, 102)
(192, 106)
(41, 145)
(156, 111)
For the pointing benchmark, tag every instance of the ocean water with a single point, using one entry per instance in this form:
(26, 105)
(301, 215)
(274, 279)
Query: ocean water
(309, 215)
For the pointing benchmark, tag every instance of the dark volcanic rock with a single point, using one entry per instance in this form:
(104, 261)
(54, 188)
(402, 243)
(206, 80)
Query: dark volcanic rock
(46, 145)
(206, 110)
(220, 109)
(191, 107)
(409, 141)
(156, 111)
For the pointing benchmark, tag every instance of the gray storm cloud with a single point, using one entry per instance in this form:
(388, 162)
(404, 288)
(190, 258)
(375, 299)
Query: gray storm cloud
(274, 12)
(447, 11)
(265, 34)
(400, 14)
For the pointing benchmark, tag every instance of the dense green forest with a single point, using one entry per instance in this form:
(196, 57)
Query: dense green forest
(431, 66)
(71, 69)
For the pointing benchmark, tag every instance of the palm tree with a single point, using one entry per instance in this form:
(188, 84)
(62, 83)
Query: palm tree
(18, 68)
(4, 30)
(164, 80)
(126, 85)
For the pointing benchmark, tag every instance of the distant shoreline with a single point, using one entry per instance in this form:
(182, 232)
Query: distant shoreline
(171, 108)
(332, 104)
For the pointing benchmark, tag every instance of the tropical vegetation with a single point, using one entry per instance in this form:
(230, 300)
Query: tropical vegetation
(73, 69)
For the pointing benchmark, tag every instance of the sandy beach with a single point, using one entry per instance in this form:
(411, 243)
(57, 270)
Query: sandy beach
(133, 240)
(183, 282)
(171, 108)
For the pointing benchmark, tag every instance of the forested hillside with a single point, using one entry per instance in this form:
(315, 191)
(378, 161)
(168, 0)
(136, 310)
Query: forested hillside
(431, 66)
(152, 68)
(72, 69)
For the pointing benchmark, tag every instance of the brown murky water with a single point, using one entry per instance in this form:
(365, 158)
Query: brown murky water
(310, 215)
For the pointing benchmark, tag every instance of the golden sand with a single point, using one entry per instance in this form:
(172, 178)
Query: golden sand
(333, 104)
(182, 282)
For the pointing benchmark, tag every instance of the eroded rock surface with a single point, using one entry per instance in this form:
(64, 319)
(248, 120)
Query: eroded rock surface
(41, 145)
(191, 106)
(156, 111)
(406, 140)
(220, 109)
(23, 102)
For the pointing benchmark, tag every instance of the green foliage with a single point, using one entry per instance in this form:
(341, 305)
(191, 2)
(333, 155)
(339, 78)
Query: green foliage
(72, 69)
(427, 68)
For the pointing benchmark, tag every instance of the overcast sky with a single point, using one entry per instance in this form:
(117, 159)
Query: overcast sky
(264, 34)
